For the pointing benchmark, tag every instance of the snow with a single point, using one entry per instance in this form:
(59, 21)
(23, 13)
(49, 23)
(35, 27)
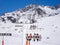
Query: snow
(48, 27)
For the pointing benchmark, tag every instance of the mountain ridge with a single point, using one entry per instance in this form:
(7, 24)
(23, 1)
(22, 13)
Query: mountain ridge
(29, 14)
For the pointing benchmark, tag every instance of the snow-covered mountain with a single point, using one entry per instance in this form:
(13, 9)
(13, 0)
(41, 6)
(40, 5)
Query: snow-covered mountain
(29, 14)
(46, 19)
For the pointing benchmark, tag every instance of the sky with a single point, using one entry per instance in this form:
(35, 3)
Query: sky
(12, 5)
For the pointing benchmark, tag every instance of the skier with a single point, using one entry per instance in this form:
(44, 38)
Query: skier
(3, 41)
(27, 42)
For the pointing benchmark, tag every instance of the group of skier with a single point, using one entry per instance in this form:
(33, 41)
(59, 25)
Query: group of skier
(34, 37)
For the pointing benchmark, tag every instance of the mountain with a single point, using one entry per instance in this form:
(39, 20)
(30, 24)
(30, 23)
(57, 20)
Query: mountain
(29, 14)
(44, 19)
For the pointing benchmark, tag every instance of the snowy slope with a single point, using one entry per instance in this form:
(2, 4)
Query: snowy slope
(19, 22)
(49, 28)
